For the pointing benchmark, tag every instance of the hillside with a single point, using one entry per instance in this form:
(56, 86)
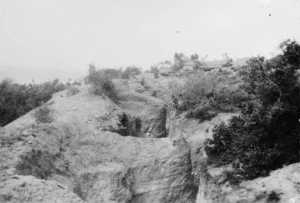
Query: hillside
(138, 149)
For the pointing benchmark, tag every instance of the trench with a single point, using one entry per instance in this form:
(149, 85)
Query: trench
(42, 164)
(131, 125)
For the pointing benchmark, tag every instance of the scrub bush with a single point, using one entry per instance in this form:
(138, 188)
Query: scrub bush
(266, 134)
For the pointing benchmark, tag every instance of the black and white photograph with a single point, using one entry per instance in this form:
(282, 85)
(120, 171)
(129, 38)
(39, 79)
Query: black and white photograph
(150, 101)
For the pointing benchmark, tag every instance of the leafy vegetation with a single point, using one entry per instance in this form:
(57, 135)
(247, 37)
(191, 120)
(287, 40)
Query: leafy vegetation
(228, 61)
(43, 114)
(101, 81)
(205, 95)
(131, 72)
(155, 71)
(179, 59)
(273, 197)
(16, 100)
(144, 84)
(36, 163)
(266, 134)
(72, 90)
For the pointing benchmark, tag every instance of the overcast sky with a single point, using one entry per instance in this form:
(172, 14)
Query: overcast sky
(57, 38)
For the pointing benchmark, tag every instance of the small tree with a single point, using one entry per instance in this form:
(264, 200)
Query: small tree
(92, 68)
(155, 71)
(102, 84)
(143, 82)
(228, 60)
(43, 114)
(178, 61)
(194, 57)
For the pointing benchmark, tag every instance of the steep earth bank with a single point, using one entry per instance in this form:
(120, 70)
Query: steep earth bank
(97, 151)
(282, 185)
(81, 151)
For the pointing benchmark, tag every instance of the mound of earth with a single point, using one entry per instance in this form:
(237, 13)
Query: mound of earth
(135, 151)
(18, 188)
(281, 185)
(83, 150)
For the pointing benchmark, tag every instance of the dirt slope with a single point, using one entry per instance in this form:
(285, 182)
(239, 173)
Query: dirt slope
(83, 150)
(136, 150)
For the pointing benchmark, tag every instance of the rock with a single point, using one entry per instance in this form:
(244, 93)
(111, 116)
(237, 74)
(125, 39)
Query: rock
(145, 170)
(10, 171)
(278, 185)
(151, 123)
(27, 189)
(102, 166)
(30, 139)
(75, 160)
(106, 183)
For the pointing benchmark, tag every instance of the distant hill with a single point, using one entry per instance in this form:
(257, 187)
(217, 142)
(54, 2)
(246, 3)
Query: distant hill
(236, 62)
(26, 74)
(240, 61)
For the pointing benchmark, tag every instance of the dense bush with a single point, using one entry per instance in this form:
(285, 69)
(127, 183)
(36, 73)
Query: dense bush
(72, 90)
(130, 71)
(178, 61)
(155, 71)
(203, 96)
(113, 73)
(228, 61)
(102, 83)
(43, 114)
(36, 163)
(266, 134)
(143, 82)
(16, 99)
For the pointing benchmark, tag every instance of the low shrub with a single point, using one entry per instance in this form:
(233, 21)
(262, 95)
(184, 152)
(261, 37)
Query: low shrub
(130, 72)
(203, 113)
(113, 73)
(232, 178)
(178, 60)
(203, 96)
(273, 197)
(176, 67)
(154, 93)
(207, 69)
(43, 114)
(102, 83)
(155, 71)
(36, 163)
(143, 82)
(72, 90)
(77, 83)
(228, 63)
